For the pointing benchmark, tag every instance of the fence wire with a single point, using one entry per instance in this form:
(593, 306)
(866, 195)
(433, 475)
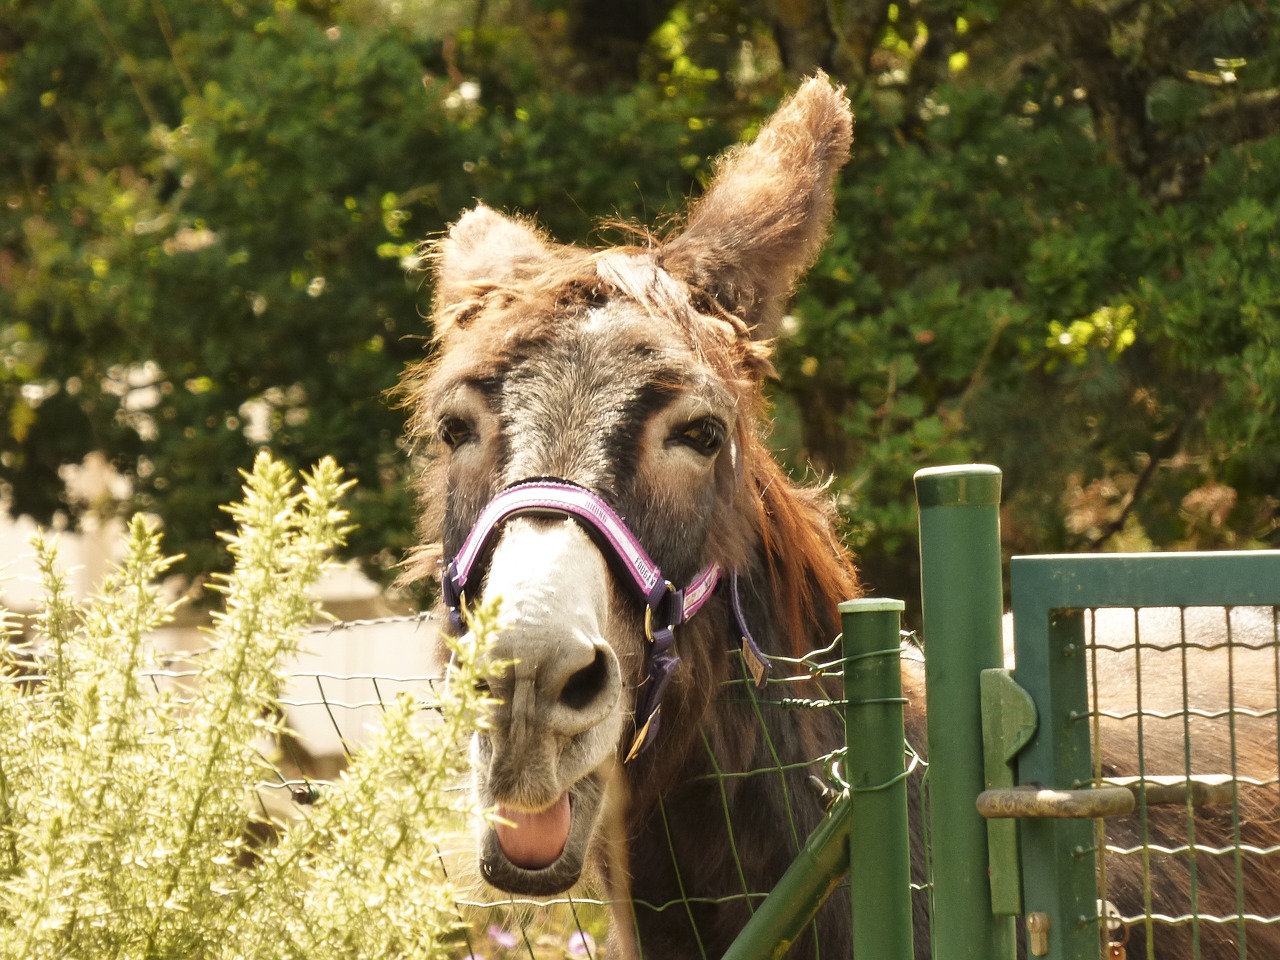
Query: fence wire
(333, 712)
(1191, 695)
(330, 713)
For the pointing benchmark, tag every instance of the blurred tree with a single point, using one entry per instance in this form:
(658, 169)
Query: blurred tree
(1057, 244)
(609, 38)
(206, 210)
(1057, 252)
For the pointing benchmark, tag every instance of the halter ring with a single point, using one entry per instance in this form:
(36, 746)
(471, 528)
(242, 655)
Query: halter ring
(648, 616)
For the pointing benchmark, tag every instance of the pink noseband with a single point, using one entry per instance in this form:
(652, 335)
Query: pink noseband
(666, 605)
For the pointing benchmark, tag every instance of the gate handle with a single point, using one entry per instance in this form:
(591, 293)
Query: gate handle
(1117, 799)
(1205, 790)
(1041, 803)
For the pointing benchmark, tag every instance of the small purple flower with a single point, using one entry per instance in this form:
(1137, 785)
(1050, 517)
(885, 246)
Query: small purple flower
(502, 938)
(581, 944)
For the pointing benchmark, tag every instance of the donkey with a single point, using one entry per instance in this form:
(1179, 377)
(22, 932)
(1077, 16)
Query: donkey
(595, 425)
(634, 376)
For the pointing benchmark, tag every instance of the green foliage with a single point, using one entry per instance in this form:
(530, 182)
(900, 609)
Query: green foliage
(1111, 328)
(1056, 243)
(199, 207)
(998, 288)
(128, 783)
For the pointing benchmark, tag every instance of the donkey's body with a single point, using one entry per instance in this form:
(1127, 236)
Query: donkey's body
(637, 373)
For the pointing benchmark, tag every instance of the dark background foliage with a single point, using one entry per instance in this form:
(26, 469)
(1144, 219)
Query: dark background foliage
(1056, 247)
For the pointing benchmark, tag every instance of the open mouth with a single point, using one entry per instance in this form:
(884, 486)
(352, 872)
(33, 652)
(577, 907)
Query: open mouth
(542, 852)
(534, 841)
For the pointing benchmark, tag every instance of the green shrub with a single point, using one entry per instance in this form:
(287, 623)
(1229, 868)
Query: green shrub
(127, 782)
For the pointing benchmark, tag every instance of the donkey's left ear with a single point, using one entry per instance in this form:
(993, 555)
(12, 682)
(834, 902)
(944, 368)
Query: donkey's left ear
(765, 216)
(485, 249)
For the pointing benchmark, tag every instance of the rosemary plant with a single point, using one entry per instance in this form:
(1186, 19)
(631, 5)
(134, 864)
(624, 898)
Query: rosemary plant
(127, 781)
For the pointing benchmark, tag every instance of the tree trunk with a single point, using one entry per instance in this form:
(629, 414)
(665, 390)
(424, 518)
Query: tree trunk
(609, 36)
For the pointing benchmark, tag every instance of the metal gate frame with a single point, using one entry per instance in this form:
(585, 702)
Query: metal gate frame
(992, 729)
(1034, 728)
(1049, 596)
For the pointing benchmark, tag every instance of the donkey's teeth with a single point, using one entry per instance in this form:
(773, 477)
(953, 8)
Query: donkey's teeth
(534, 840)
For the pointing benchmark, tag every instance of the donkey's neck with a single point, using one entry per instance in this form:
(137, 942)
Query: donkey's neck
(737, 806)
(800, 566)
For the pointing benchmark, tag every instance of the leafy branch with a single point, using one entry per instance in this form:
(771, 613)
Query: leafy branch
(127, 787)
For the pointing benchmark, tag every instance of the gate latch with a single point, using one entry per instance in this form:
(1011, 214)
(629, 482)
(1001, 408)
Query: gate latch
(1009, 722)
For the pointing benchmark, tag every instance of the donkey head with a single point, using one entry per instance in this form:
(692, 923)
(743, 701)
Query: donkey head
(628, 381)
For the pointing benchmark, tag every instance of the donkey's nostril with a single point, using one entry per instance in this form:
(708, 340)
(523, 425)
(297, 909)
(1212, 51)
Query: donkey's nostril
(585, 685)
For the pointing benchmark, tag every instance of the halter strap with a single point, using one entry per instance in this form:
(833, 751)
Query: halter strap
(559, 498)
(666, 605)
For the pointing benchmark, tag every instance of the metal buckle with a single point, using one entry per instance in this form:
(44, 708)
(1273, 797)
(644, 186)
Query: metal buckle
(455, 600)
(672, 590)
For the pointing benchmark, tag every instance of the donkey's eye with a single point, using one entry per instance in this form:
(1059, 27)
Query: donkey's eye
(705, 435)
(454, 432)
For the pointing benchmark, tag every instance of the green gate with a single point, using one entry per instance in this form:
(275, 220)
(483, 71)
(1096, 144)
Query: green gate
(1116, 794)
(1145, 690)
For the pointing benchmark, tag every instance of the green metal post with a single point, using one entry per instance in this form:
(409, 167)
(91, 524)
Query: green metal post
(808, 882)
(866, 826)
(962, 601)
(879, 840)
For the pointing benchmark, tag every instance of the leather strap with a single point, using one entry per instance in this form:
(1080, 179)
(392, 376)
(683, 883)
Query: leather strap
(666, 605)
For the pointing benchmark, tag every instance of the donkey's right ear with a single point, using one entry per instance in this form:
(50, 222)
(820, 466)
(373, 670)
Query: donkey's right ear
(484, 250)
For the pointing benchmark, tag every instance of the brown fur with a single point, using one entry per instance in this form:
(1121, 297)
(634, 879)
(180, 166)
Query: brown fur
(752, 236)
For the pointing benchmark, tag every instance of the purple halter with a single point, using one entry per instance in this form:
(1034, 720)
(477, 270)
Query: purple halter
(666, 605)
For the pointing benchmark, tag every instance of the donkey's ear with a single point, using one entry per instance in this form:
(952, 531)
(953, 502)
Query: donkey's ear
(765, 215)
(483, 250)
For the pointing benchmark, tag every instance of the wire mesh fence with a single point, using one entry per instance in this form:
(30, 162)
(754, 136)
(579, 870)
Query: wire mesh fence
(1156, 677)
(1130, 756)
(1188, 698)
(331, 713)
(1173, 707)
(349, 674)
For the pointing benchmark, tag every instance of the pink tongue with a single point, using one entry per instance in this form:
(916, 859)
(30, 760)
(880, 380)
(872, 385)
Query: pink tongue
(536, 839)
